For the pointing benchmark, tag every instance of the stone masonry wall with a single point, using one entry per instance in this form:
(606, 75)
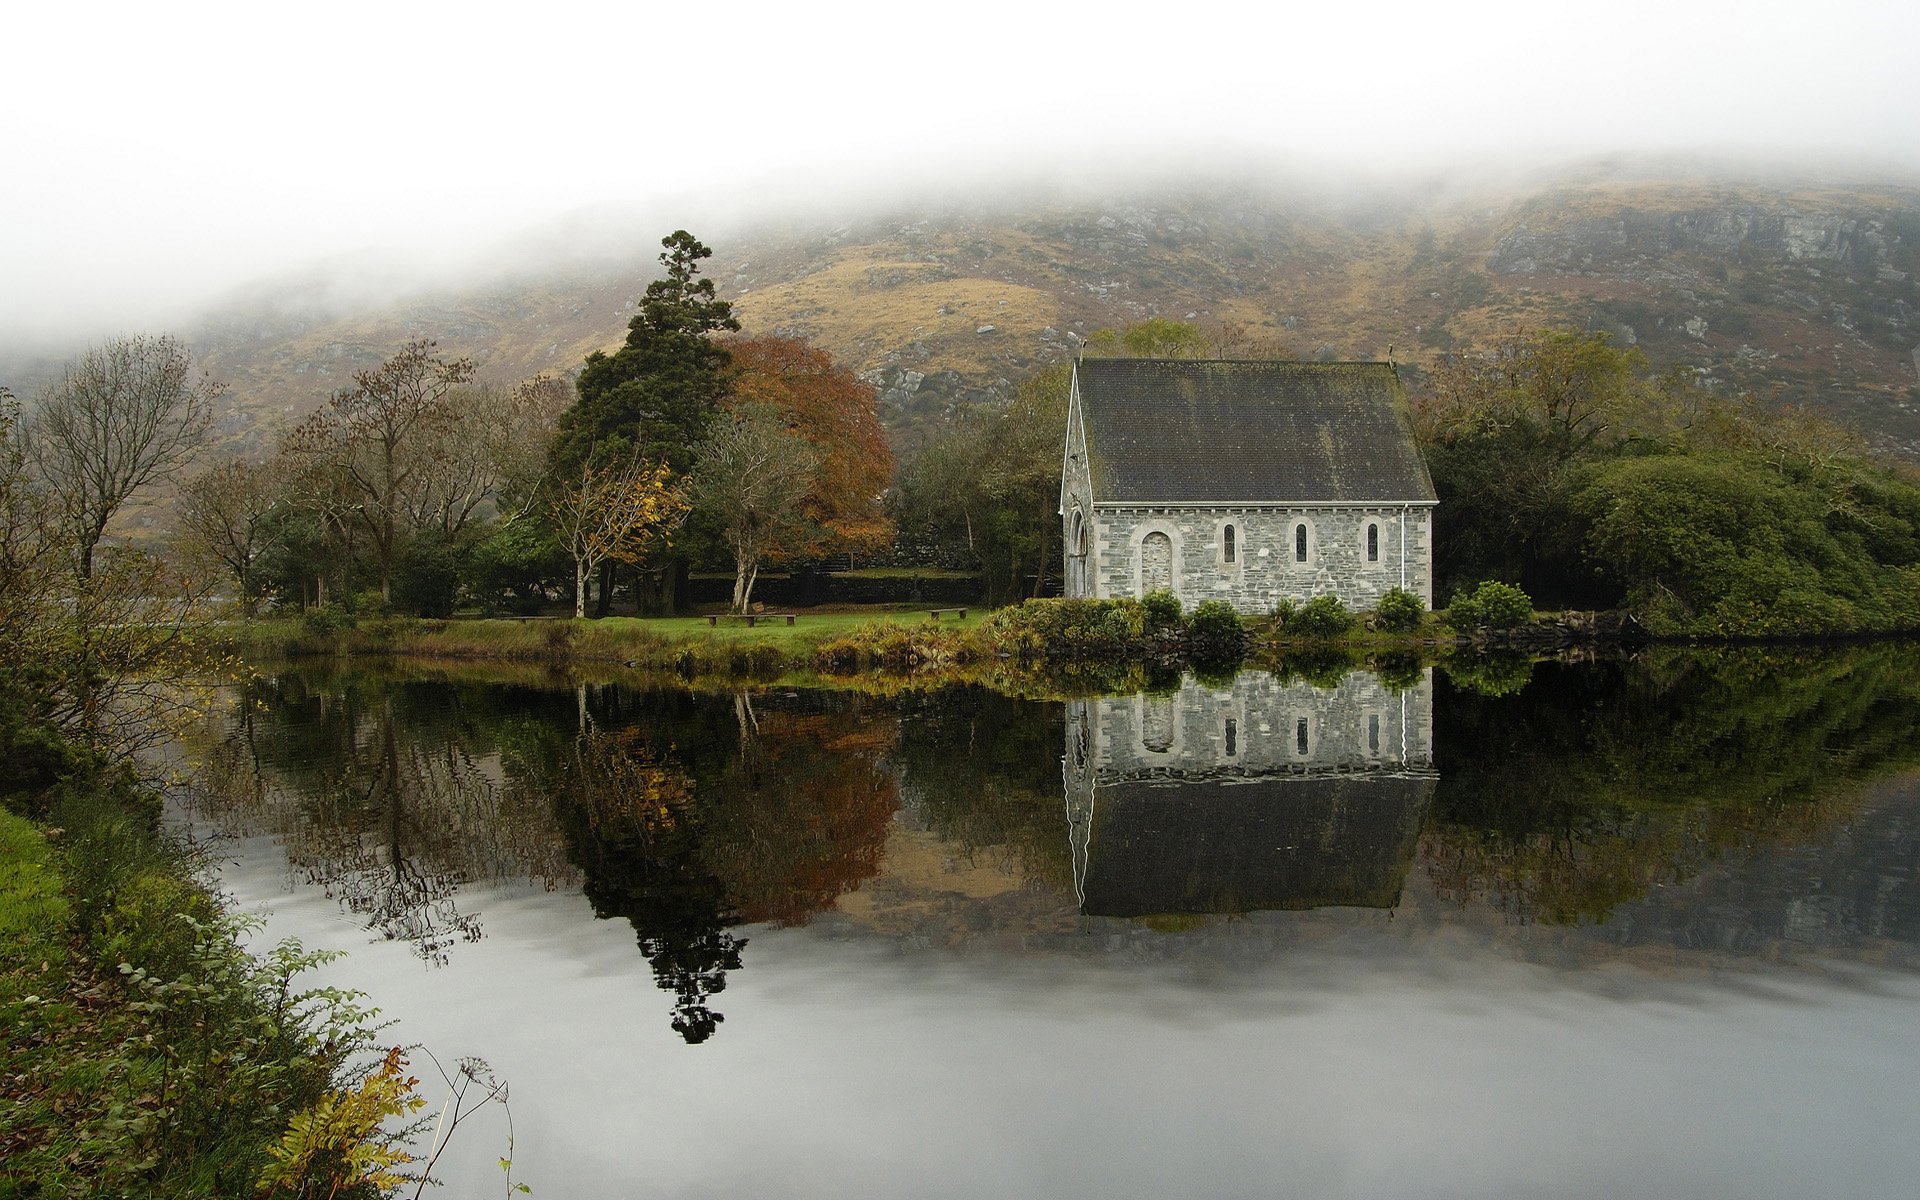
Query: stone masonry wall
(1264, 567)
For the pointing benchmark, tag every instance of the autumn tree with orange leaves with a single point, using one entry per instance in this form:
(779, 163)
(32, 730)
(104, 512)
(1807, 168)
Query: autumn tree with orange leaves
(836, 412)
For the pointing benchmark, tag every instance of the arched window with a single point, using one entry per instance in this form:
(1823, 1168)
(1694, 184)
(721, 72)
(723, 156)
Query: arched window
(1156, 562)
(1373, 543)
(1300, 741)
(1373, 733)
(1299, 543)
(1233, 738)
(1226, 542)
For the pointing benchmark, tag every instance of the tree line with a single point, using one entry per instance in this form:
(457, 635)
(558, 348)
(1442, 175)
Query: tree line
(1565, 464)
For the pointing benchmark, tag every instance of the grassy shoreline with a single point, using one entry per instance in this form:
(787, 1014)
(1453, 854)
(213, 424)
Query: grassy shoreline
(146, 1053)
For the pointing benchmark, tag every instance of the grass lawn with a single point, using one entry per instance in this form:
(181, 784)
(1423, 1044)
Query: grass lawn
(810, 626)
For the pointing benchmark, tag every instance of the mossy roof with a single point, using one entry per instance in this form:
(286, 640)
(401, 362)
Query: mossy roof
(1197, 432)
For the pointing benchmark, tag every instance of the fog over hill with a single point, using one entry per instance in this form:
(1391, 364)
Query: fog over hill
(1797, 289)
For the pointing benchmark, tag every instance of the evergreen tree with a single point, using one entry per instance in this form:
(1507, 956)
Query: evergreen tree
(657, 393)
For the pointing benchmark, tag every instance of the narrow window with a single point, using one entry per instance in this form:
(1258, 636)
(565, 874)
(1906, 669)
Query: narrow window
(1373, 543)
(1300, 736)
(1299, 543)
(1373, 733)
(1233, 737)
(1228, 542)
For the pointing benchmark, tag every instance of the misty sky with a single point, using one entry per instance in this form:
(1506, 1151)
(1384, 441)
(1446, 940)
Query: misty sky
(157, 156)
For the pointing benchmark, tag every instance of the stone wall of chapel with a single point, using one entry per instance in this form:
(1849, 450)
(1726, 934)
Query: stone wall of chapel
(1265, 567)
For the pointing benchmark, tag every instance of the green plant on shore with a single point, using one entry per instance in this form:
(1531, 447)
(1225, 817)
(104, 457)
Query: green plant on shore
(1215, 634)
(1399, 609)
(1163, 608)
(1324, 616)
(1493, 604)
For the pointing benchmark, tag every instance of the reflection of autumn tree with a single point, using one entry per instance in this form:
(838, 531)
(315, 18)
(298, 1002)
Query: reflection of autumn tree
(699, 815)
(1596, 783)
(983, 770)
(390, 801)
(802, 814)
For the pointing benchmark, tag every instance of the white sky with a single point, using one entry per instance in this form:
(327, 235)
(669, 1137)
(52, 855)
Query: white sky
(154, 156)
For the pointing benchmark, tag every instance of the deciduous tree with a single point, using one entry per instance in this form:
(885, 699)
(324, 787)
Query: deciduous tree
(124, 415)
(224, 519)
(835, 411)
(617, 512)
(377, 435)
(752, 474)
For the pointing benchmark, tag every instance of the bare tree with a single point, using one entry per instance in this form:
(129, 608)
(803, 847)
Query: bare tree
(223, 520)
(124, 415)
(375, 434)
(752, 473)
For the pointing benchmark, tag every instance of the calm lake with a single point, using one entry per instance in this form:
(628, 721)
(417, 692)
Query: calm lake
(1622, 928)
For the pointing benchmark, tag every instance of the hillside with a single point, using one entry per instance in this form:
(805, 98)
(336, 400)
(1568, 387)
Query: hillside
(1805, 293)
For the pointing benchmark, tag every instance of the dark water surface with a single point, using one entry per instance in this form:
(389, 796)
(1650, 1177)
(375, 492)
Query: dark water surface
(1606, 929)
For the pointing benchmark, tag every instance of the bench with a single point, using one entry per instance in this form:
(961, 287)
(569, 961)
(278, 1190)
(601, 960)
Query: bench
(934, 614)
(713, 619)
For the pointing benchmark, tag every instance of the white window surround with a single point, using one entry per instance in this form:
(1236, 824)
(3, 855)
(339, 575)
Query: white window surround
(1293, 525)
(1239, 527)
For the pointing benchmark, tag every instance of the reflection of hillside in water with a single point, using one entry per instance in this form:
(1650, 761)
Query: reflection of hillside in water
(1258, 794)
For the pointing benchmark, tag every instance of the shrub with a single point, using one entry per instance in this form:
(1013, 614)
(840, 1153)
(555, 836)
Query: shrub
(1500, 605)
(1068, 628)
(1399, 609)
(1214, 632)
(324, 621)
(426, 581)
(1163, 608)
(1323, 617)
(1283, 611)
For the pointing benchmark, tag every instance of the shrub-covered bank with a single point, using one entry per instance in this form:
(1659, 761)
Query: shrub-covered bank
(144, 1052)
(1070, 637)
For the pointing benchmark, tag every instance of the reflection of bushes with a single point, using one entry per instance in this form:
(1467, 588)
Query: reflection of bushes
(1598, 781)
(1500, 673)
(1398, 671)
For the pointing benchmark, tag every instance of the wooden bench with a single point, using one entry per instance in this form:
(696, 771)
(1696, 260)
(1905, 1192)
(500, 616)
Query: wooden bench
(934, 614)
(713, 619)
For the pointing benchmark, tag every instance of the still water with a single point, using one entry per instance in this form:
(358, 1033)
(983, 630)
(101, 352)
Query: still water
(1646, 928)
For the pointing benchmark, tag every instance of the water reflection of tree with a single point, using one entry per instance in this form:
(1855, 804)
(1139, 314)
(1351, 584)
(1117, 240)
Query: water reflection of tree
(699, 816)
(631, 819)
(1598, 783)
(388, 798)
(983, 770)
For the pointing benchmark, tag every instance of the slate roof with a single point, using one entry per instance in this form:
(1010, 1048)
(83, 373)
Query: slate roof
(1184, 432)
(1218, 846)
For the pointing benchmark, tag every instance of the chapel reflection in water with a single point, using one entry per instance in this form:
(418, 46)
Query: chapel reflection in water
(1256, 794)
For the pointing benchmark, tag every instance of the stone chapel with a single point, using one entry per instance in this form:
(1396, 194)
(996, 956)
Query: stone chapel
(1247, 482)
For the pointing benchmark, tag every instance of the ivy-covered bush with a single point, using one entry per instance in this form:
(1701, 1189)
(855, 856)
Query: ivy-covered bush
(1399, 609)
(1214, 633)
(1322, 617)
(1500, 605)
